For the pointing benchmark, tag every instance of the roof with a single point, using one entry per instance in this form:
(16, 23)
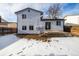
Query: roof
(2, 20)
(28, 8)
(50, 19)
(71, 24)
(8, 22)
(72, 15)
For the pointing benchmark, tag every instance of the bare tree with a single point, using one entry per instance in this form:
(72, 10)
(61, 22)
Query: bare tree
(54, 11)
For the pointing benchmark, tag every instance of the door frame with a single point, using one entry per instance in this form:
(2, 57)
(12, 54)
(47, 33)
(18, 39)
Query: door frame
(47, 25)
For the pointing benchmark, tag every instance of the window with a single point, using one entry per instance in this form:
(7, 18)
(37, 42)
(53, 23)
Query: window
(23, 16)
(47, 25)
(28, 10)
(23, 27)
(31, 28)
(58, 23)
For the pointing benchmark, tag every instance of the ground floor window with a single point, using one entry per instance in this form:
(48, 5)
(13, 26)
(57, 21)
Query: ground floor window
(31, 27)
(58, 23)
(47, 25)
(23, 27)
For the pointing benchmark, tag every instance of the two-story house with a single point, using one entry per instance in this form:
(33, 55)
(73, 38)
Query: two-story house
(31, 21)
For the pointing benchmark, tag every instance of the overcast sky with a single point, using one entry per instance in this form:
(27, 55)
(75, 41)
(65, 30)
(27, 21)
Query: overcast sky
(7, 10)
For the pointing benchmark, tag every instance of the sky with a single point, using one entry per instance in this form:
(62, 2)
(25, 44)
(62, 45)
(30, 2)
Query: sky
(7, 10)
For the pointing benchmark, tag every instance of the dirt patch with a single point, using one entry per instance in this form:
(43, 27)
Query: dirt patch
(56, 34)
(33, 36)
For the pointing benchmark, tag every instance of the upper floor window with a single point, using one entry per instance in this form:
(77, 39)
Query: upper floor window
(23, 27)
(58, 23)
(28, 10)
(23, 16)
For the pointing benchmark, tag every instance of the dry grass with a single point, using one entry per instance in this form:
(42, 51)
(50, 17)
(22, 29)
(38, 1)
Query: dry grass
(56, 34)
(5, 33)
(43, 37)
(33, 36)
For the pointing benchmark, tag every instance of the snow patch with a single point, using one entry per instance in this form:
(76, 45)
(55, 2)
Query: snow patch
(60, 46)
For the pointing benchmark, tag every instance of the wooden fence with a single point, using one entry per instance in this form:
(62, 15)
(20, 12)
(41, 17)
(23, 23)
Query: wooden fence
(7, 30)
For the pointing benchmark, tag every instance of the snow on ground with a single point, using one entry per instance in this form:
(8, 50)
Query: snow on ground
(62, 46)
(7, 40)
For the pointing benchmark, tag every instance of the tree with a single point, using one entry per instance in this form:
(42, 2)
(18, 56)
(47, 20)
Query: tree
(54, 11)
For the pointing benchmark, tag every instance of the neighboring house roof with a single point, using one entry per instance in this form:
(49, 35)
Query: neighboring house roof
(71, 15)
(29, 8)
(50, 19)
(71, 24)
(4, 20)
(8, 23)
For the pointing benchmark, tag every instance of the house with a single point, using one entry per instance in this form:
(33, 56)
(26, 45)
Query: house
(72, 28)
(71, 21)
(74, 19)
(72, 24)
(2, 20)
(31, 21)
(7, 27)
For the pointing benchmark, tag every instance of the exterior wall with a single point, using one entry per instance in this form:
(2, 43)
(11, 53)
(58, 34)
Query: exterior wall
(54, 27)
(3, 25)
(33, 18)
(57, 28)
(12, 25)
